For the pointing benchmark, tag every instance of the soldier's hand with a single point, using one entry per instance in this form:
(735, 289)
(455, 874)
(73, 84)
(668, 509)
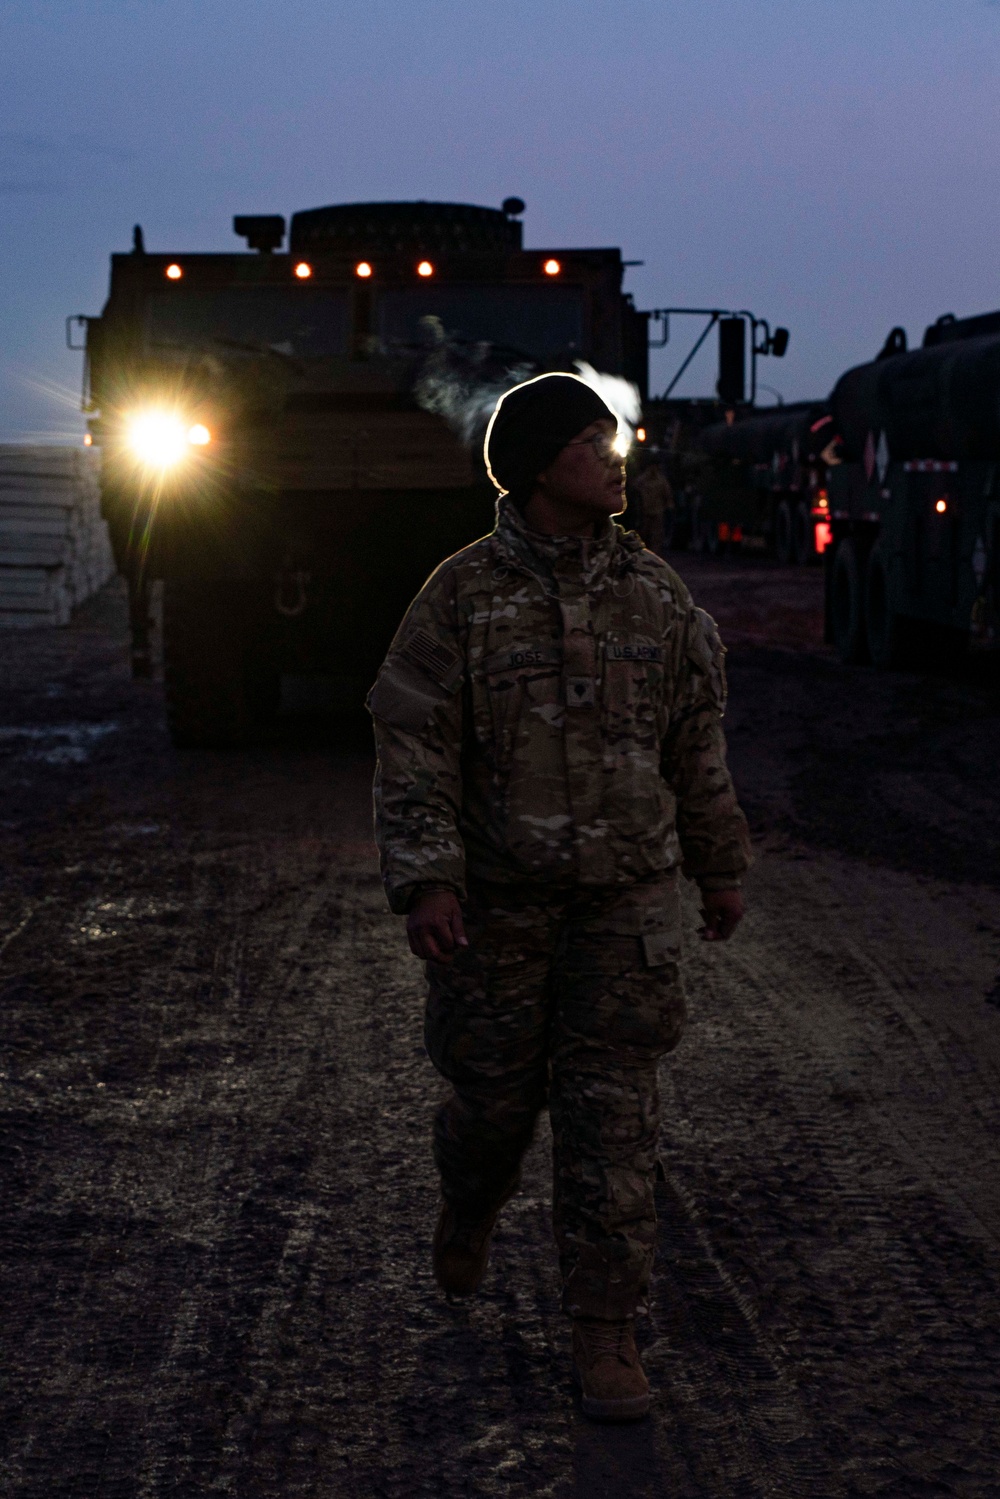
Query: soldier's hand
(434, 926)
(723, 912)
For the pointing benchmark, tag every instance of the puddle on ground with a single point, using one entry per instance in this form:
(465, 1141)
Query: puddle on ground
(55, 744)
(101, 919)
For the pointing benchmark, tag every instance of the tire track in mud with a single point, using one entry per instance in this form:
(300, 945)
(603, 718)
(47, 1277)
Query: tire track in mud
(132, 1238)
(251, 1240)
(735, 1415)
(900, 1005)
(149, 1196)
(884, 1275)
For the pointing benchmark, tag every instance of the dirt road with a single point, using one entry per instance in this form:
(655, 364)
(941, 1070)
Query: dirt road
(217, 1182)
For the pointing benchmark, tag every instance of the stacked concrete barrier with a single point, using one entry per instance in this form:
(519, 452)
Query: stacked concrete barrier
(54, 547)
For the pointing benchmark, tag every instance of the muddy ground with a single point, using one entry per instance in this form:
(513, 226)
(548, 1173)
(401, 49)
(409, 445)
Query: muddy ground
(217, 1185)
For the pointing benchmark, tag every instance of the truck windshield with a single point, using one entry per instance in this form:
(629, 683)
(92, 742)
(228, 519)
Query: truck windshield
(541, 321)
(302, 321)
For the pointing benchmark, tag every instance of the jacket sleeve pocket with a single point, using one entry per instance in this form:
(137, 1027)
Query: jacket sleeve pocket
(403, 698)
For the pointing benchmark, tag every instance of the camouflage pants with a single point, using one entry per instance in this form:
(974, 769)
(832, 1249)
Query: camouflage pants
(568, 999)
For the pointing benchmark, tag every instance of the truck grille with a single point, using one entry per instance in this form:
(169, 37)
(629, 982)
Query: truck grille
(363, 450)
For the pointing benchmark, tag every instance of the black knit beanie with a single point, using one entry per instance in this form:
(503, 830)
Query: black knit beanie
(532, 423)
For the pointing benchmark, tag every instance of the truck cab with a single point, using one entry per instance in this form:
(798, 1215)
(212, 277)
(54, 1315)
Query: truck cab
(291, 437)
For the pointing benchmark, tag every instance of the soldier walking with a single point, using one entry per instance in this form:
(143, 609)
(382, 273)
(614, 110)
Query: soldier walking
(550, 759)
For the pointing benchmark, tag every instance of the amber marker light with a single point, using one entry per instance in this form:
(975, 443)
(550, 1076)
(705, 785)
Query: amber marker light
(425, 268)
(88, 440)
(303, 270)
(552, 268)
(173, 272)
(363, 269)
(941, 506)
(640, 434)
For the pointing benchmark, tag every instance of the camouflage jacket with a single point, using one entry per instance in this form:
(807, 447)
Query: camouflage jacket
(550, 711)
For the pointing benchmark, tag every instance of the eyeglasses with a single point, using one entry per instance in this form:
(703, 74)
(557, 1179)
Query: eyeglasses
(604, 445)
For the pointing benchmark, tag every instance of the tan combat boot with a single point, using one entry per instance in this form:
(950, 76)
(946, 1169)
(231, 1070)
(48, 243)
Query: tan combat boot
(461, 1250)
(606, 1366)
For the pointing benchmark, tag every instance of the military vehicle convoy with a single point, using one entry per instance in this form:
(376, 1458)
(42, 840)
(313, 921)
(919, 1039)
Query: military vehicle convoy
(289, 442)
(288, 436)
(915, 503)
(894, 482)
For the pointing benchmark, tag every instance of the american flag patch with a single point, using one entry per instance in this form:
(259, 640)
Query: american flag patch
(442, 665)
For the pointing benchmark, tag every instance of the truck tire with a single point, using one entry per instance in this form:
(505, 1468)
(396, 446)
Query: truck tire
(783, 542)
(889, 633)
(221, 682)
(848, 604)
(803, 550)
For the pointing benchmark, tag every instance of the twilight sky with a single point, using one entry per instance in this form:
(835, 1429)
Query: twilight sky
(831, 164)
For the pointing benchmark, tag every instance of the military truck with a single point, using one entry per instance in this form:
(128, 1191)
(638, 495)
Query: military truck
(289, 436)
(915, 505)
(764, 481)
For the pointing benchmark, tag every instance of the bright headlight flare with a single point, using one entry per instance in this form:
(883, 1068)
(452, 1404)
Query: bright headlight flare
(622, 442)
(158, 438)
(162, 439)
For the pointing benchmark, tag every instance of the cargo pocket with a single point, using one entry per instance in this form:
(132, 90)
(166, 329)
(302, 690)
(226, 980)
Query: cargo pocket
(623, 985)
(650, 912)
(658, 949)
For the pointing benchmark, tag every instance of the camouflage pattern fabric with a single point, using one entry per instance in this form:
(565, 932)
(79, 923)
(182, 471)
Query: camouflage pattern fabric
(549, 735)
(571, 1001)
(551, 711)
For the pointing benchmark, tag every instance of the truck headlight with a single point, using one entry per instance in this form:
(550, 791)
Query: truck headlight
(162, 439)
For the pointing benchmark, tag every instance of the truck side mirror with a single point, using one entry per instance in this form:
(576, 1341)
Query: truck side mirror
(779, 343)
